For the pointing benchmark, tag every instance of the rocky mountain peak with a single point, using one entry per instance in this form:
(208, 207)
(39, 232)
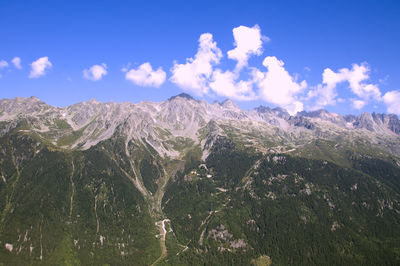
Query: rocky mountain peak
(262, 109)
(229, 104)
(183, 96)
(182, 116)
(22, 105)
(93, 101)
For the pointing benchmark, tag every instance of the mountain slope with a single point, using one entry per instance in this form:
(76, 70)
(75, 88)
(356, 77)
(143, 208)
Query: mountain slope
(188, 182)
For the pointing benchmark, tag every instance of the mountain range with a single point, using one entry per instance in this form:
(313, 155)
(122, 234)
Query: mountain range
(186, 182)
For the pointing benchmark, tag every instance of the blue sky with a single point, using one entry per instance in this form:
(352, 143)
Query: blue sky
(301, 40)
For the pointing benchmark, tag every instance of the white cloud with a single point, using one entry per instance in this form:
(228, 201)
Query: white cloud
(17, 62)
(278, 87)
(275, 86)
(248, 41)
(358, 104)
(3, 64)
(356, 76)
(38, 67)
(95, 72)
(326, 92)
(392, 101)
(144, 75)
(224, 84)
(194, 74)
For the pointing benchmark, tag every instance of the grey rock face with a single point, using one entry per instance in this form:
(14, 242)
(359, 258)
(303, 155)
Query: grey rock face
(85, 124)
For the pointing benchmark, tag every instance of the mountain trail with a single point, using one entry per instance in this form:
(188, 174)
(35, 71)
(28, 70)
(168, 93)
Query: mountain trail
(163, 233)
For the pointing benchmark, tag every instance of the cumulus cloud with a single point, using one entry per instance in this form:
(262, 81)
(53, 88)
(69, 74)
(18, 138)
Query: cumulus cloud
(16, 62)
(144, 75)
(225, 84)
(248, 41)
(39, 67)
(95, 72)
(392, 101)
(326, 94)
(194, 75)
(278, 87)
(356, 78)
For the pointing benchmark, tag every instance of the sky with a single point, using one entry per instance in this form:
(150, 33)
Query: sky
(342, 56)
